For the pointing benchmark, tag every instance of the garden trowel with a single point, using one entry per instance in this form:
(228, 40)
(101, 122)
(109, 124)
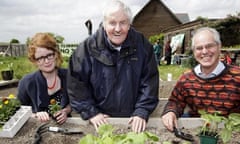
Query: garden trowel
(178, 133)
(65, 130)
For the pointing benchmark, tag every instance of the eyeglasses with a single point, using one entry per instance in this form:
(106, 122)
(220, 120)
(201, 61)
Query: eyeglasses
(207, 46)
(42, 59)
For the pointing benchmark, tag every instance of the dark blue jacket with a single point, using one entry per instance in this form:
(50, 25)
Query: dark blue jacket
(120, 84)
(32, 91)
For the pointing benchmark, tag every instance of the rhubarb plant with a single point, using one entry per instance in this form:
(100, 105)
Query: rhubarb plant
(232, 123)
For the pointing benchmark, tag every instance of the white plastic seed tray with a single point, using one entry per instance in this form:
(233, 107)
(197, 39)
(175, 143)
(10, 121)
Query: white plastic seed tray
(12, 126)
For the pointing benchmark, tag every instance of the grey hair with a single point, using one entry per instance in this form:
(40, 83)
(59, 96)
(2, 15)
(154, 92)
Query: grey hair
(215, 33)
(114, 5)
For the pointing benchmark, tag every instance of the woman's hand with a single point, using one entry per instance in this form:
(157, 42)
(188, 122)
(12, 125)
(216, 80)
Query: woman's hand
(60, 116)
(41, 116)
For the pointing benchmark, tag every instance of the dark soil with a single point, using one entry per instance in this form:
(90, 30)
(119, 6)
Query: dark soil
(27, 133)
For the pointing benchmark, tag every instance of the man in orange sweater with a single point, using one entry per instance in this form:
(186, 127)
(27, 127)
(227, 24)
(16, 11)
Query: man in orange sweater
(211, 86)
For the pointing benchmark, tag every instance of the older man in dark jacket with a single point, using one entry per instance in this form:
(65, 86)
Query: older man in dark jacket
(114, 73)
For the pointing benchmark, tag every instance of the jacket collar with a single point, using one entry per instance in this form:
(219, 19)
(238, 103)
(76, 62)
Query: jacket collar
(100, 45)
(42, 95)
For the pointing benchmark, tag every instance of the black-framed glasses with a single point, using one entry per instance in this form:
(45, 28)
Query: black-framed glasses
(42, 59)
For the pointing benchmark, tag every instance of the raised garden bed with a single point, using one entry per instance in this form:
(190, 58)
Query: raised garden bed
(27, 133)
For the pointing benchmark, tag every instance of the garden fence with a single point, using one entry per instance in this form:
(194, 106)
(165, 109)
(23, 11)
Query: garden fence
(13, 49)
(16, 50)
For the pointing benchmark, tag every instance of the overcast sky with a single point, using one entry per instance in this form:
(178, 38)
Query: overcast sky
(21, 19)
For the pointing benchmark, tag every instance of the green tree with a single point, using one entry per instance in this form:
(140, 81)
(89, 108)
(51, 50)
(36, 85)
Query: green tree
(57, 37)
(28, 41)
(159, 37)
(14, 41)
(229, 29)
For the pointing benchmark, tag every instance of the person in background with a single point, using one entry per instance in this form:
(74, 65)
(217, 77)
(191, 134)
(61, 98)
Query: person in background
(228, 59)
(168, 52)
(176, 59)
(211, 86)
(157, 51)
(225, 57)
(113, 73)
(46, 84)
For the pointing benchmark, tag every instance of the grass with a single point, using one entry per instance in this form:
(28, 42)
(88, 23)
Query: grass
(175, 70)
(22, 66)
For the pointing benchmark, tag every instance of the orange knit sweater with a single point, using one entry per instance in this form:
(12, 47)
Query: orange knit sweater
(221, 93)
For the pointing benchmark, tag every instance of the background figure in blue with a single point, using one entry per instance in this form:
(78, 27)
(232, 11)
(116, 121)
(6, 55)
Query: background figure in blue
(157, 51)
(113, 73)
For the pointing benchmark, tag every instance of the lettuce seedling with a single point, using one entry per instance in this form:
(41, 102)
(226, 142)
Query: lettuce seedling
(106, 135)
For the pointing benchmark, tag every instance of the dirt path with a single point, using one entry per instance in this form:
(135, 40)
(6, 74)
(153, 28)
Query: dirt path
(6, 90)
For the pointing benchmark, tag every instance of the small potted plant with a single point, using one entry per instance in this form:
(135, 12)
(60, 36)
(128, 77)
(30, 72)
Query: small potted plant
(210, 131)
(54, 107)
(7, 73)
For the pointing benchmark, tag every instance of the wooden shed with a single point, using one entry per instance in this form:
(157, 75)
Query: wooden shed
(154, 17)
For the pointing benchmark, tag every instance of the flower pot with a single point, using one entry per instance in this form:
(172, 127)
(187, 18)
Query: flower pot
(208, 139)
(7, 74)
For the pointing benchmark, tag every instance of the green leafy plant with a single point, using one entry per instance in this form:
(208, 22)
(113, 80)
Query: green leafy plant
(6, 66)
(10, 66)
(232, 123)
(212, 121)
(106, 135)
(8, 106)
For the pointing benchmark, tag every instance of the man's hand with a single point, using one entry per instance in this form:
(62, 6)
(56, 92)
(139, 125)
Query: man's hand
(138, 124)
(169, 120)
(98, 120)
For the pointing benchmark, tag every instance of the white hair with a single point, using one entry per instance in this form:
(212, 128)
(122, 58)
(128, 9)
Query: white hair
(114, 5)
(215, 33)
